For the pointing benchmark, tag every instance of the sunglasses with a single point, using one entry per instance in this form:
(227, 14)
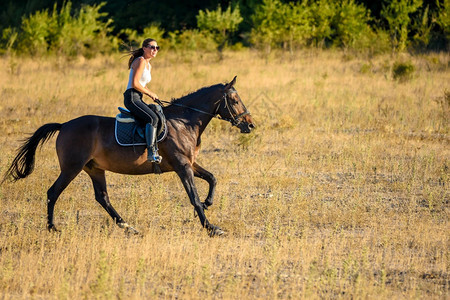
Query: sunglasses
(153, 47)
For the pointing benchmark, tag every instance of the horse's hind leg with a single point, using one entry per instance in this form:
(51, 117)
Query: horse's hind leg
(53, 193)
(101, 195)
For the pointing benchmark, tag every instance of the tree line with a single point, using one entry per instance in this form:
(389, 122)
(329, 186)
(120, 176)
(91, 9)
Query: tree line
(89, 27)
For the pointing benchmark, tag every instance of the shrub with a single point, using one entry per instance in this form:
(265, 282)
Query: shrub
(321, 23)
(266, 24)
(191, 39)
(403, 71)
(296, 28)
(80, 33)
(322, 13)
(153, 31)
(397, 16)
(35, 34)
(443, 21)
(8, 39)
(134, 39)
(196, 40)
(83, 33)
(422, 27)
(350, 23)
(374, 42)
(220, 24)
(281, 25)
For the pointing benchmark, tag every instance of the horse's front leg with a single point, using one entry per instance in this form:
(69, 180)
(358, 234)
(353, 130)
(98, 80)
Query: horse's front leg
(208, 177)
(186, 174)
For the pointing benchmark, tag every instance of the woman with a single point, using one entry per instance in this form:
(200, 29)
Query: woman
(140, 76)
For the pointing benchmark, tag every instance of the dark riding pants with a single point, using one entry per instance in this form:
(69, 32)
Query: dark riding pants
(134, 103)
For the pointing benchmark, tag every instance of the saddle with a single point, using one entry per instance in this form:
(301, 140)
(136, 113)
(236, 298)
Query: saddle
(131, 132)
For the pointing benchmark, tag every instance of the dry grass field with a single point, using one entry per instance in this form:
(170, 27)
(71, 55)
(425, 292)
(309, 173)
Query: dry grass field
(342, 191)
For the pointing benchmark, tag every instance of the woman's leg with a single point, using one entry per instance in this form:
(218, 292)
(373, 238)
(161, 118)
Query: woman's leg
(133, 101)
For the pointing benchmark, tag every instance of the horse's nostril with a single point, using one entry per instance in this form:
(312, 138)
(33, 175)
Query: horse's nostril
(251, 126)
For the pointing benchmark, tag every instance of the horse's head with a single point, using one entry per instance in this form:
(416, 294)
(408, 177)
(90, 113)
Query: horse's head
(233, 110)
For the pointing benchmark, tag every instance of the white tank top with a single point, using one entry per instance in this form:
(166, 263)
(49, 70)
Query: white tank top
(145, 78)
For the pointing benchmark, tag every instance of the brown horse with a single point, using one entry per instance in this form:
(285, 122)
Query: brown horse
(88, 143)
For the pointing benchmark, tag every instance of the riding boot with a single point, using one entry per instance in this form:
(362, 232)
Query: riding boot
(150, 138)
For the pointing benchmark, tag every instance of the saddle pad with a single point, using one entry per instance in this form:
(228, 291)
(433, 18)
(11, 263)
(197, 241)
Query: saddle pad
(129, 134)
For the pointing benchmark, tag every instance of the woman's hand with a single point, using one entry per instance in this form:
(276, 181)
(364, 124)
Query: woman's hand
(152, 95)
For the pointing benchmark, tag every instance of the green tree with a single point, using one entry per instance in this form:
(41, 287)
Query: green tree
(322, 12)
(397, 14)
(339, 22)
(83, 33)
(220, 23)
(350, 23)
(134, 39)
(66, 32)
(443, 19)
(266, 24)
(191, 40)
(422, 26)
(296, 27)
(279, 24)
(35, 32)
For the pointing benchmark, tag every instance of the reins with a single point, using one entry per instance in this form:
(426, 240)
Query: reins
(234, 116)
(160, 102)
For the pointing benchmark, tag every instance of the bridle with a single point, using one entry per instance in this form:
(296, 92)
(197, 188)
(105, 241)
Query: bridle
(234, 119)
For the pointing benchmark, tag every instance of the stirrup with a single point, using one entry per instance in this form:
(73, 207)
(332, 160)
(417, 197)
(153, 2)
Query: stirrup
(153, 157)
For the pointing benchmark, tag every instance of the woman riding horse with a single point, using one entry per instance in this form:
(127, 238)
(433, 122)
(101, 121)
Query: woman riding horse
(88, 143)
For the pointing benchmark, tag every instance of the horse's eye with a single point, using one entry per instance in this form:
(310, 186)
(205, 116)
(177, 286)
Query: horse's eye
(233, 101)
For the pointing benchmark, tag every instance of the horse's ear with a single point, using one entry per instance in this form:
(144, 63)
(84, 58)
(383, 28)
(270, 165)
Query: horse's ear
(230, 85)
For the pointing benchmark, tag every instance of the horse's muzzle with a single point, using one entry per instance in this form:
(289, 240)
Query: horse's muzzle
(246, 127)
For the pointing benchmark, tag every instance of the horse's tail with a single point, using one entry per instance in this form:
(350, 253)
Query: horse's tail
(23, 163)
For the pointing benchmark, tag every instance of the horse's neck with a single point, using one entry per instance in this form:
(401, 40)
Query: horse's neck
(194, 112)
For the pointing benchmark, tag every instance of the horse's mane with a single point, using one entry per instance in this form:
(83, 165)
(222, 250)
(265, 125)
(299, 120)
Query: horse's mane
(199, 93)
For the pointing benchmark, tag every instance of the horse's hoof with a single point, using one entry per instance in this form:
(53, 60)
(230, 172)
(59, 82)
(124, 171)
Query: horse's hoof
(128, 228)
(52, 228)
(131, 230)
(216, 231)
